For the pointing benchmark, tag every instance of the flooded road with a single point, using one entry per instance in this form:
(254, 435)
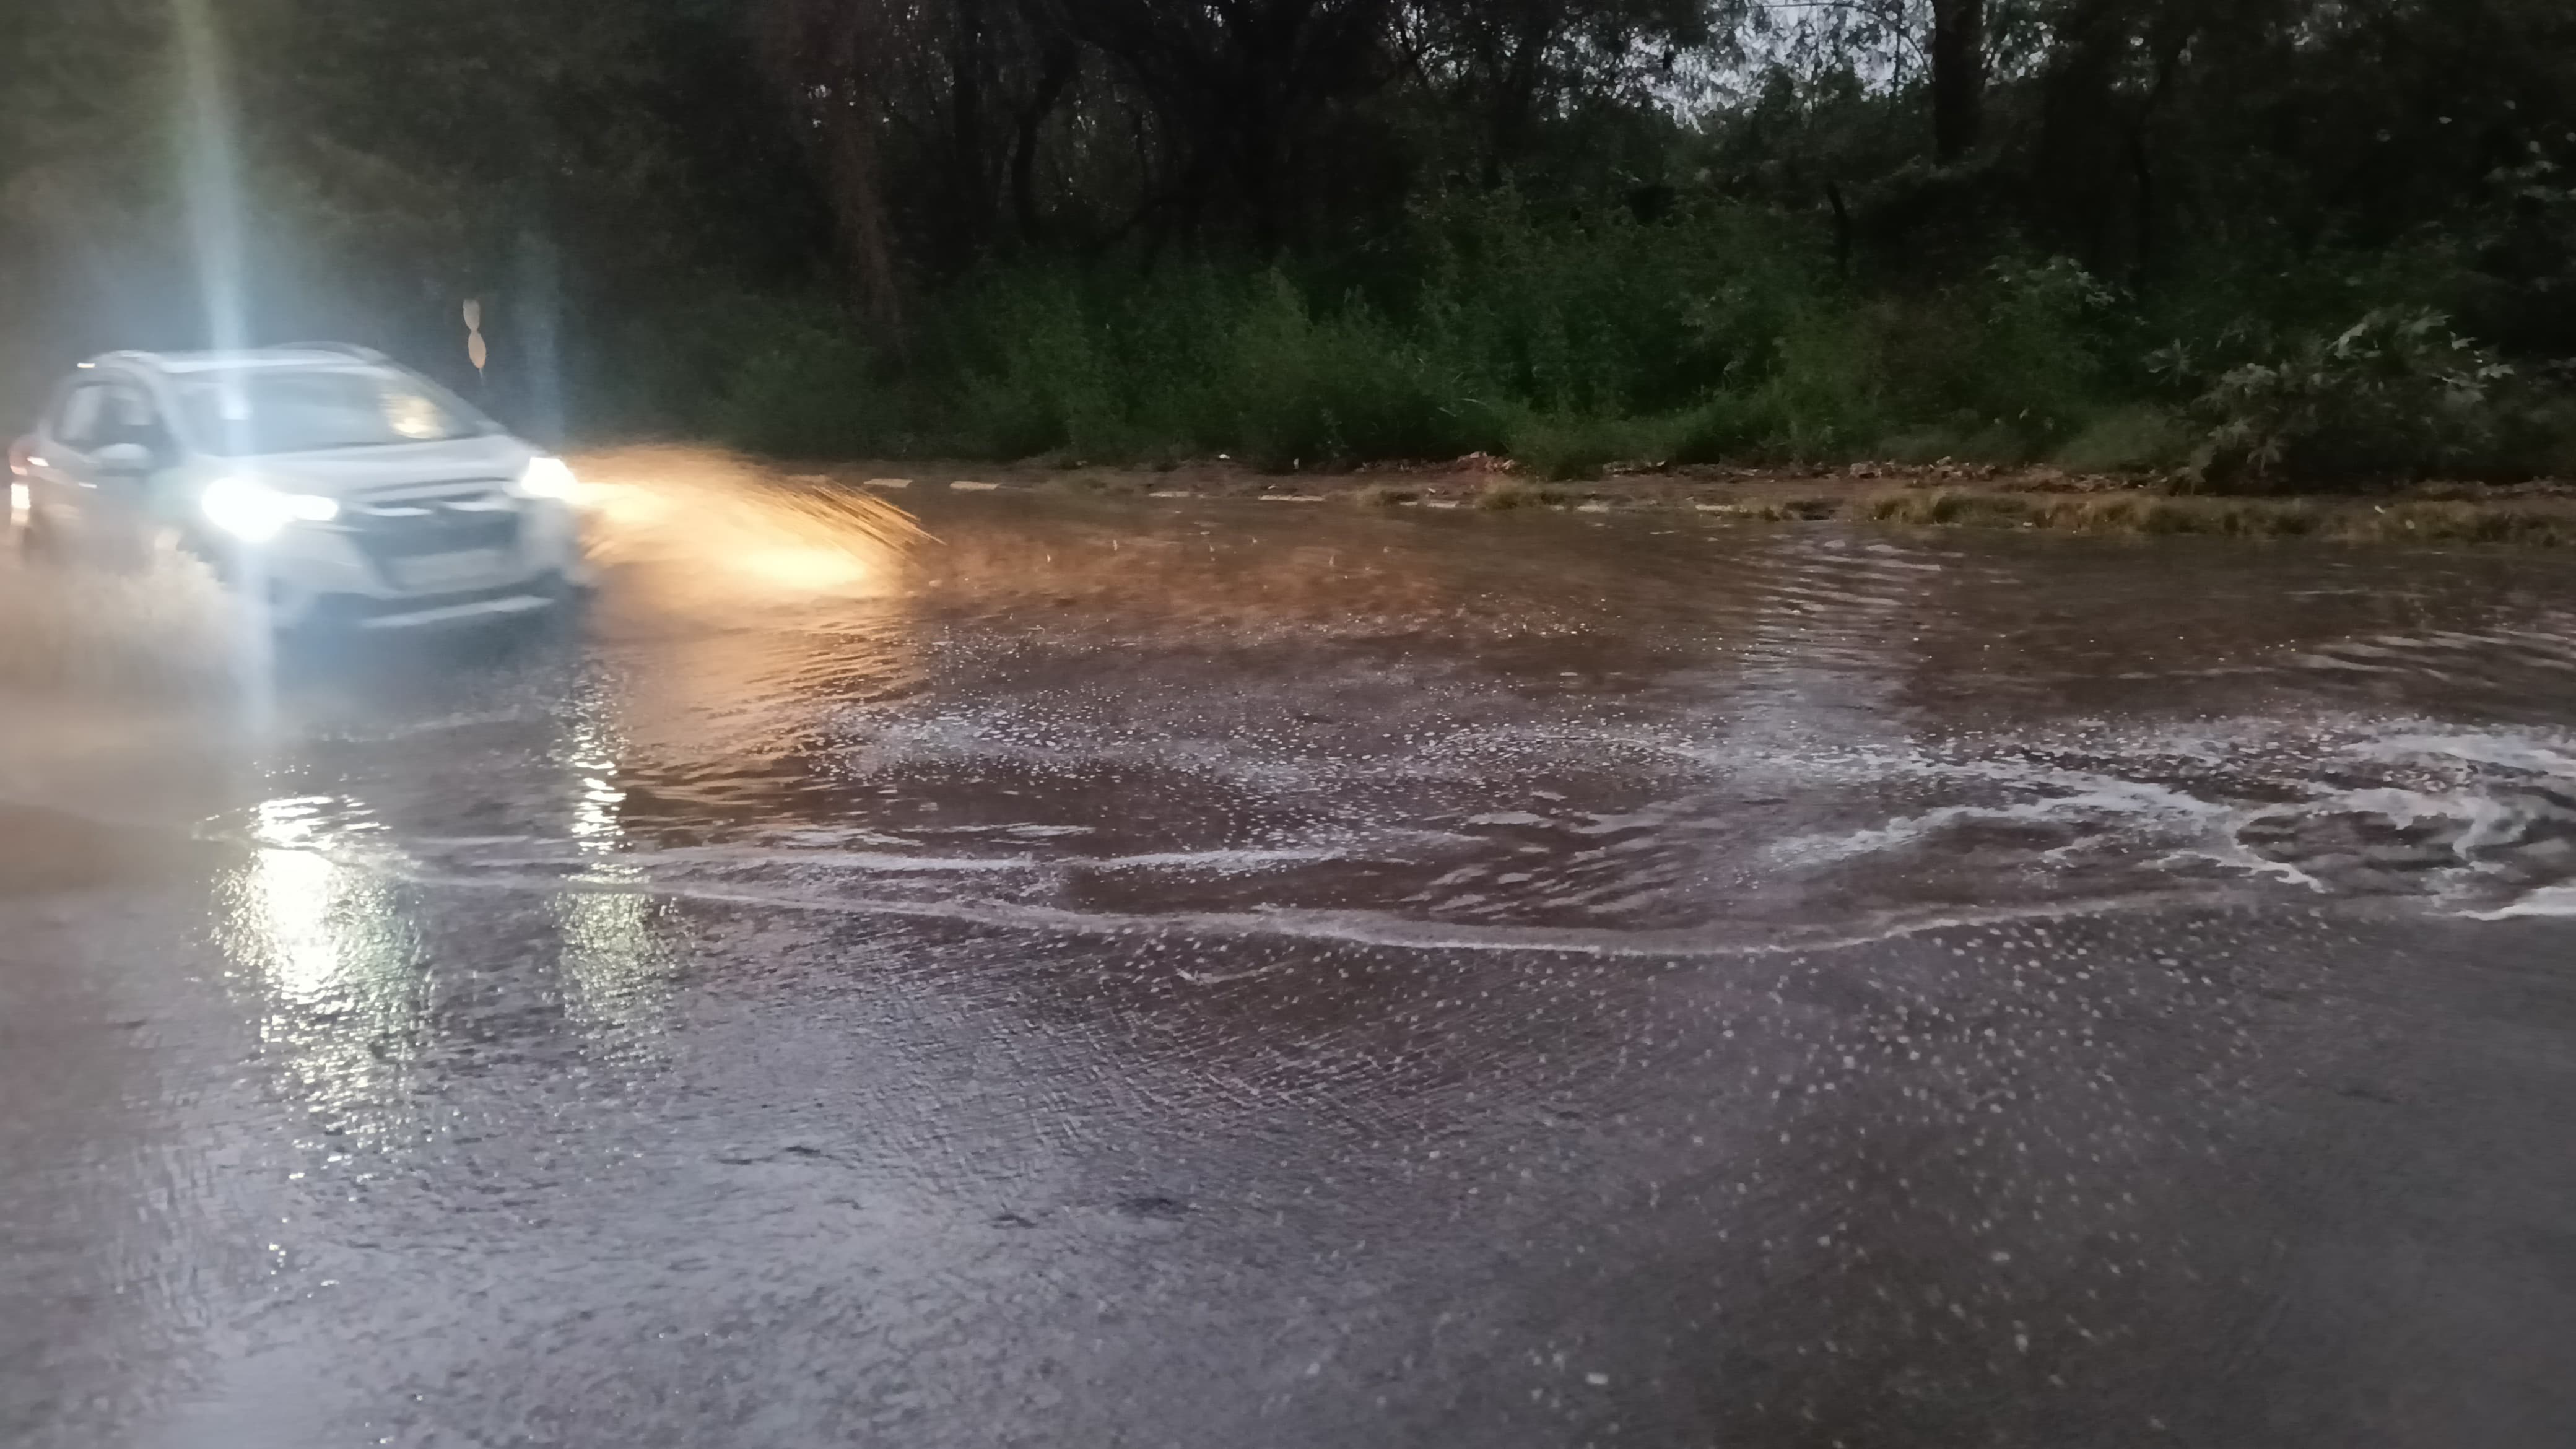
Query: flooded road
(1163, 972)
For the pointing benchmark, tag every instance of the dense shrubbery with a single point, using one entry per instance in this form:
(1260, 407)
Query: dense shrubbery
(2399, 393)
(1571, 344)
(2111, 234)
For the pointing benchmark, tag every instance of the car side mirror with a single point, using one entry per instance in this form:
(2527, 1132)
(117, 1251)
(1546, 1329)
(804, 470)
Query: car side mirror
(123, 460)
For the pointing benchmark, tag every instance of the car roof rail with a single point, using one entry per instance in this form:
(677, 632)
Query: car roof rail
(344, 349)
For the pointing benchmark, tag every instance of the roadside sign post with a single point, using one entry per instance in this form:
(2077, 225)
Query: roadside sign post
(475, 350)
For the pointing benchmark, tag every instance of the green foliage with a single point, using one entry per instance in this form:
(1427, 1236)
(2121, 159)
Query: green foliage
(1502, 229)
(2129, 438)
(1728, 427)
(2544, 440)
(1339, 387)
(1598, 313)
(2039, 358)
(1571, 343)
(2397, 394)
(1824, 399)
(1499, 346)
(1124, 368)
(1561, 446)
(809, 392)
(1115, 366)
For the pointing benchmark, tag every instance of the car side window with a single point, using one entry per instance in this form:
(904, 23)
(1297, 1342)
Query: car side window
(127, 416)
(103, 414)
(77, 422)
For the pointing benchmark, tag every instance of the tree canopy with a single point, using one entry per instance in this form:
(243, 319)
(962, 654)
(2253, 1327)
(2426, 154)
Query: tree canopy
(688, 168)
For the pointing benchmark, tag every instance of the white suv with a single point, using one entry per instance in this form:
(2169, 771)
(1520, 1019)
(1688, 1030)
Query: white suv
(323, 483)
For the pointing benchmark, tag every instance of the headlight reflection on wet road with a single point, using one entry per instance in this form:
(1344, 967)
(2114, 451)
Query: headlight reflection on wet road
(339, 965)
(615, 965)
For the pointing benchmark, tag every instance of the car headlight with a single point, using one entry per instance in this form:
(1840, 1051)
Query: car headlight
(547, 476)
(254, 512)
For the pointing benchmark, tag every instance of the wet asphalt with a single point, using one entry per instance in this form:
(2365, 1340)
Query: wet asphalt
(1170, 972)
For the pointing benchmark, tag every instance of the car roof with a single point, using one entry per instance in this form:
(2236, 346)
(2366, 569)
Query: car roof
(308, 354)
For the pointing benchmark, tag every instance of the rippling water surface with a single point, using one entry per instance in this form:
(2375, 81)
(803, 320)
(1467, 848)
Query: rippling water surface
(1595, 736)
(1309, 975)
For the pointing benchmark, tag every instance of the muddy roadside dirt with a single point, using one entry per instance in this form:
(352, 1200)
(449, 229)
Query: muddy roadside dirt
(1943, 494)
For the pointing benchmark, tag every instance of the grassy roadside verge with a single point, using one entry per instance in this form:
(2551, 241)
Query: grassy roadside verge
(2537, 515)
(2539, 523)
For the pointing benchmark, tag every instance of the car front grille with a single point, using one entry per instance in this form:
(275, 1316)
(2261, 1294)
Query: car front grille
(416, 523)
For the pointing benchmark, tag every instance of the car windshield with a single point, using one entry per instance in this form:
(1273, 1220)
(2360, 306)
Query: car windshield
(239, 414)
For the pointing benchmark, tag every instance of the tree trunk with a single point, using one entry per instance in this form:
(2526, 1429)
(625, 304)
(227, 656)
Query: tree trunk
(2142, 168)
(1516, 90)
(858, 201)
(823, 55)
(2077, 164)
(1055, 76)
(1958, 77)
(1842, 231)
(972, 182)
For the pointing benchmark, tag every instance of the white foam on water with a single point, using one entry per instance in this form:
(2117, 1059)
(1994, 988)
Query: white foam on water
(2484, 808)
(2467, 821)
(2097, 799)
(1016, 832)
(2553, 902)
(1223, 862)
(724, 857)
(1371, 929)
(671, 863)
(2504, 751)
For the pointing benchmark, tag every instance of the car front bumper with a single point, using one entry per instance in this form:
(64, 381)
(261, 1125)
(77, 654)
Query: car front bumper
(320, 573)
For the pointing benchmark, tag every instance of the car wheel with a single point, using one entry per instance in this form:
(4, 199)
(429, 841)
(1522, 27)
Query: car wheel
(566, 597)
(125, 552)
(36, 542)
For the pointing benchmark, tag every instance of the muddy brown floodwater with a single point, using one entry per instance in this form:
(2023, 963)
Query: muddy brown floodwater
(1164, 972)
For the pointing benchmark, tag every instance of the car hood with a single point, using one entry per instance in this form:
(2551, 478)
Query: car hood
(342, 472)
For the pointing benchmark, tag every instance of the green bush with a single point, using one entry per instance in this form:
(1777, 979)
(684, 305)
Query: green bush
(2132, 438)
(1573, 342)
(1565, 446)
(1127, 369)
(1825, 398)
(812, 392)
(1728, 427)
(1600, 314)
(2398, 395)
(1340, 388)
(2039, 359)
(1039, 374)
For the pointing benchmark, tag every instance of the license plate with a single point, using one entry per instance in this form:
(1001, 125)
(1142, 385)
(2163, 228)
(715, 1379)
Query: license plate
(461, 570)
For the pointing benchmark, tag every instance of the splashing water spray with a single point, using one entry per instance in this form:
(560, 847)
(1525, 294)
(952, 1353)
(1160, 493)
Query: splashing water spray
(210, 186)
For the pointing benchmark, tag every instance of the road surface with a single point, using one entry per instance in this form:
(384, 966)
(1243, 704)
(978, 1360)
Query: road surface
(1216, 973)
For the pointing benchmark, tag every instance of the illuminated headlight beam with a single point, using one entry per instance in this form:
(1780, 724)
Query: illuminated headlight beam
(255, 513)
(550, 477)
